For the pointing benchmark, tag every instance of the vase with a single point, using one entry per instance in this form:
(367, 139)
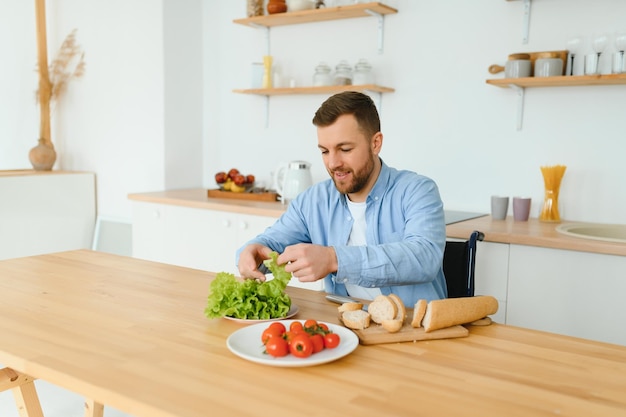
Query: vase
(552, 177)
(276, 6)
(42, 156)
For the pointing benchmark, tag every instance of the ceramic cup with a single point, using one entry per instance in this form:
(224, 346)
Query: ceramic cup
(499, 207)
(521, 208)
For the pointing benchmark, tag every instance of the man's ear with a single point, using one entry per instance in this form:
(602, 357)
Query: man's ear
(377, 142)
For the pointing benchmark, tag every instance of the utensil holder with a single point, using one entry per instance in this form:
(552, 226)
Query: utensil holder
(552, 177)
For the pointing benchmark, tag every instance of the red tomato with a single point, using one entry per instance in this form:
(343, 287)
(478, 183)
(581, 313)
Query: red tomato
(296, 325)
(277, 347)
(323, 326)
(270, 332)
(331, 340)
(318, 342)
(310, 324)
(278, 326)
(301, 346)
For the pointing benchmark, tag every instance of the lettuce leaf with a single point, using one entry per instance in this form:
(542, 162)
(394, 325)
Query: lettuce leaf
(250, 299)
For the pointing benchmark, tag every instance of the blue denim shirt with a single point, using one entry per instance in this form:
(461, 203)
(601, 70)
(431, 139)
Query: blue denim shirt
(406, 235)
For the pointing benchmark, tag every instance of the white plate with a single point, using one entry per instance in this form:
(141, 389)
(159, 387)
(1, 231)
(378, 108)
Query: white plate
(246, 343)
(292, 312)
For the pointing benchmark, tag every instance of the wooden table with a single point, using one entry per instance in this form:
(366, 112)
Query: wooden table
(132, 334)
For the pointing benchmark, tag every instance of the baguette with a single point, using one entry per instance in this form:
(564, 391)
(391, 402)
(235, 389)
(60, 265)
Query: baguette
(356, 319)
(401, 314)
(452, 311)
(418, 313)
(382, 308)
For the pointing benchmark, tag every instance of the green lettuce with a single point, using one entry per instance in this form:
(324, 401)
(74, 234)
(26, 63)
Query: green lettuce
(250, 299)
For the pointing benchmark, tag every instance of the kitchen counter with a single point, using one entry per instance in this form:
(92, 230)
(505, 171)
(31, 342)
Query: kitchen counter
(131, 334)
(531, 233)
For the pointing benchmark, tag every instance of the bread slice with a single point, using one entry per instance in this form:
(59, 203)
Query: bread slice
(401, 314)
(382, 308)
(452, 311)
(418, 313)
(356, 319)
(392, 326)
(350, 307)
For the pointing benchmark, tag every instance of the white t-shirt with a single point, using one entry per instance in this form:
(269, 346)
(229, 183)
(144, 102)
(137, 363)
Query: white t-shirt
(358, 238)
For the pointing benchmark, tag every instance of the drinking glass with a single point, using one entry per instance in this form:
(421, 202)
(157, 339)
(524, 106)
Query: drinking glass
(573, 46)
(619, 63)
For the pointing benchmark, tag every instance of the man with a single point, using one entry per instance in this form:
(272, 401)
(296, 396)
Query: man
(368, 230)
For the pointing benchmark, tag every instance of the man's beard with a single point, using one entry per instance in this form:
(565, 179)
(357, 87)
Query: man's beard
(359, 178)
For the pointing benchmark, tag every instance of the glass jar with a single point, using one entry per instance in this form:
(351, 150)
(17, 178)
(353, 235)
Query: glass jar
(322, 76)
(343, 73)
(363, 73)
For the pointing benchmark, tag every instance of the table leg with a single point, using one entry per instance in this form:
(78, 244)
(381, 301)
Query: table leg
(24, 392)
(93, 408)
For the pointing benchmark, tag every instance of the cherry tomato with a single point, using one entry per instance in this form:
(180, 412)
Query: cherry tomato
(323, 326)
(331, 340)
(277, 347)
(278, 326)
(318, 342)
(310, 324)
(289, 335)
(301, 346)
(296, 325)
(270, 332)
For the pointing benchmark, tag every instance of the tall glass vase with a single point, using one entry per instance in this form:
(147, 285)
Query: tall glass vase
(552, 176)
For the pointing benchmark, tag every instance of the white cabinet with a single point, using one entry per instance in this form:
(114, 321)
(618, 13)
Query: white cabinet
(196, 238)
(192, 237)
(492, 265)
(46, 212)
(567, 292)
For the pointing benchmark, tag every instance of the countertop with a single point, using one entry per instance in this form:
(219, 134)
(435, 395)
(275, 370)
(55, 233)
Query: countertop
(533, 232)
(131, 334)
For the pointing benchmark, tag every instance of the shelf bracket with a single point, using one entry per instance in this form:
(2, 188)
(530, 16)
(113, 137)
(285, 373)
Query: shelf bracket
(520, 104)
(526, 22)
(381, 28)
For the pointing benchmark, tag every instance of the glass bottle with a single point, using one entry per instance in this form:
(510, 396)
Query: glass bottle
(322, 76)
(343, 73)
(363, 73)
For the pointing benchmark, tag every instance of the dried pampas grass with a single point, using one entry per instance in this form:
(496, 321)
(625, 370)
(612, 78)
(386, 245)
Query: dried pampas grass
(68, 64)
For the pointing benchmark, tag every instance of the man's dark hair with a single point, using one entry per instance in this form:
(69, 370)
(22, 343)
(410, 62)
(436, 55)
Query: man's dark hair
(349, 102)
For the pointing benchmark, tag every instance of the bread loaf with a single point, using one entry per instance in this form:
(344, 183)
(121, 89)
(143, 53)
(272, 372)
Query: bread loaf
(382, 308)
(418, 313)
(349, 307)
(356, 319)
(452, 311)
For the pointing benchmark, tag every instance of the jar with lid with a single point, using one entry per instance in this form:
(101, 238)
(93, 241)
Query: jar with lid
(363, 73)
(322, 76)
(343, 73)
(548, 64)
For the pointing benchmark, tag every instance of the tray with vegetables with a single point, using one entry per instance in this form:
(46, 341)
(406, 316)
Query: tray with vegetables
(251, 301)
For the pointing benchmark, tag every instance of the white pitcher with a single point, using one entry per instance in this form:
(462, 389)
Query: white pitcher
(291, 178)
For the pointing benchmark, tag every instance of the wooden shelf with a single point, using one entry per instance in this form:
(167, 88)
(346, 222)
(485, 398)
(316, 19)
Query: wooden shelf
(560, 81)
(317, 15)
(314, 90)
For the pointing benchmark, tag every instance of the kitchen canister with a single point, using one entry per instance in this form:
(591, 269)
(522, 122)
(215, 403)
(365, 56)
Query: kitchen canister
(363, 73)
(548, 64)
(518, 66)
(322, 76)
(343, 73)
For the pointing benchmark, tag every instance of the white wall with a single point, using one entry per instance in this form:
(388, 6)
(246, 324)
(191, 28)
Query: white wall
(443, 120)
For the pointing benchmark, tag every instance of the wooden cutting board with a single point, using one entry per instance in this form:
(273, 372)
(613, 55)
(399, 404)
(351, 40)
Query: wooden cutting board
(267, 196)
(375, 334)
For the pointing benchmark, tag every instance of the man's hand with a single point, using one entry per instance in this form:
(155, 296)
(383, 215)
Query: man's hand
(249, 260)
(308, 262)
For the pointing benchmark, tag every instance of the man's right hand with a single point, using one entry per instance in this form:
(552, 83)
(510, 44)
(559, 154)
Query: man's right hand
(249, 260)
